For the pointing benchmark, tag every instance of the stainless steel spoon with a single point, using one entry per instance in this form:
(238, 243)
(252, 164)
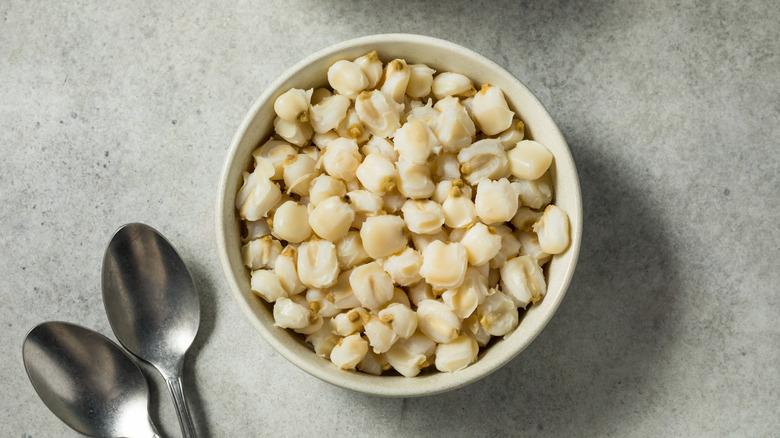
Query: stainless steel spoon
(87, 381)
(152, 305)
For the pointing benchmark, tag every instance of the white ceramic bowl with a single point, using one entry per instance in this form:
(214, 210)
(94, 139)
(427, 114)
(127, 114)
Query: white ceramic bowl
(442, 56)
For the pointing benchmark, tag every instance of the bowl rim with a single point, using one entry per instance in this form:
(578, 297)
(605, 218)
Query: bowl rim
(365, 383)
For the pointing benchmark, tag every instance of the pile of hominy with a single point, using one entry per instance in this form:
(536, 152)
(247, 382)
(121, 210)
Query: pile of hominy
(398, 218)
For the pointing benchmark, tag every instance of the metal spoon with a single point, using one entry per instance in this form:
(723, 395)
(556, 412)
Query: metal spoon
(87, 381)
(152, 305)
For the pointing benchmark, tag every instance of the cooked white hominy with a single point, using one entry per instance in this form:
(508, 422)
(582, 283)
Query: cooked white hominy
(457, 233)
(318, 94)
(419, 292)
(319, 302)
(372, 68)
(495, 201)
(381, 154)
(444, 264)
(363, 201)
(421, 241)
(452, 84)
(285, 269)
(415, 141)
(341, 158)
(445, 166)
(459, 209)
(482, 243)
(514, 134)
(414, 180)
(326, 115)
(289, 314)
(456, 355)
(331, 218)
(529, 245)
(261, 253)
(404, 267)
(379, 113)
(444, 187)
(349, 322)
(297, 133)
(401, 318)
(341, 294)
(317, 263)
(325, 186)
(380, 334)
(322, 140)
(529, 160)
(425, 113)
(383, 235)
(316, 322)
(484, 159)
(420, 80)
(437, 321)
(498, 314)
(464, 299)
(312, 152)
(350, 251)
(377, 174)
(490, 110)
(291, 222)
(523, 280)
(409, 356)
(423, 216)
(299, 170)
(472, 328)
(399, 297)
(393, 201)
(373, 363)
(396, 78)
(510, 246)
(553, 230)
(525, 218)
(382, 146)
(257, 195)
(351, 127)
(349, 351)
(255, 230)
(483, 269)
(347, 78)
(293, 105)
(453, 127)
(266, 284)
(371, 285)
(275, 151)
(534, 194)
(323, 340)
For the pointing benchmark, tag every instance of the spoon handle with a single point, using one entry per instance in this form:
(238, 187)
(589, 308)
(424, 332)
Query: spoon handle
(185, 420)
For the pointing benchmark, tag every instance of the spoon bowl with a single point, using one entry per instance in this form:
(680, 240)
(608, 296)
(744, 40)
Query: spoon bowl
(87, 381)
(152, 305)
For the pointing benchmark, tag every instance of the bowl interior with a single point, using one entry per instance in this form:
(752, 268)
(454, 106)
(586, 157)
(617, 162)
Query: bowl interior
(441, 56)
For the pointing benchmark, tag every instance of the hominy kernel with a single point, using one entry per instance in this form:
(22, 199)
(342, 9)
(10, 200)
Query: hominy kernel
(349, 351)
(529, 160)
(456, 355)
(293, 105)
(491, 111)
(420, 80)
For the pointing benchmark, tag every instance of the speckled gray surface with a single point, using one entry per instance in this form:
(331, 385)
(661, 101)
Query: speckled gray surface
(123, 111)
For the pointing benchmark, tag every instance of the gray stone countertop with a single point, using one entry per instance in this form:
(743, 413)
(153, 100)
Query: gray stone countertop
(114, 112)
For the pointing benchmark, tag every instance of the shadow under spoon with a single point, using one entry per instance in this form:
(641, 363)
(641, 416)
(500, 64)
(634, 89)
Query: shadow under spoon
(152, 305)
(87, 381)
